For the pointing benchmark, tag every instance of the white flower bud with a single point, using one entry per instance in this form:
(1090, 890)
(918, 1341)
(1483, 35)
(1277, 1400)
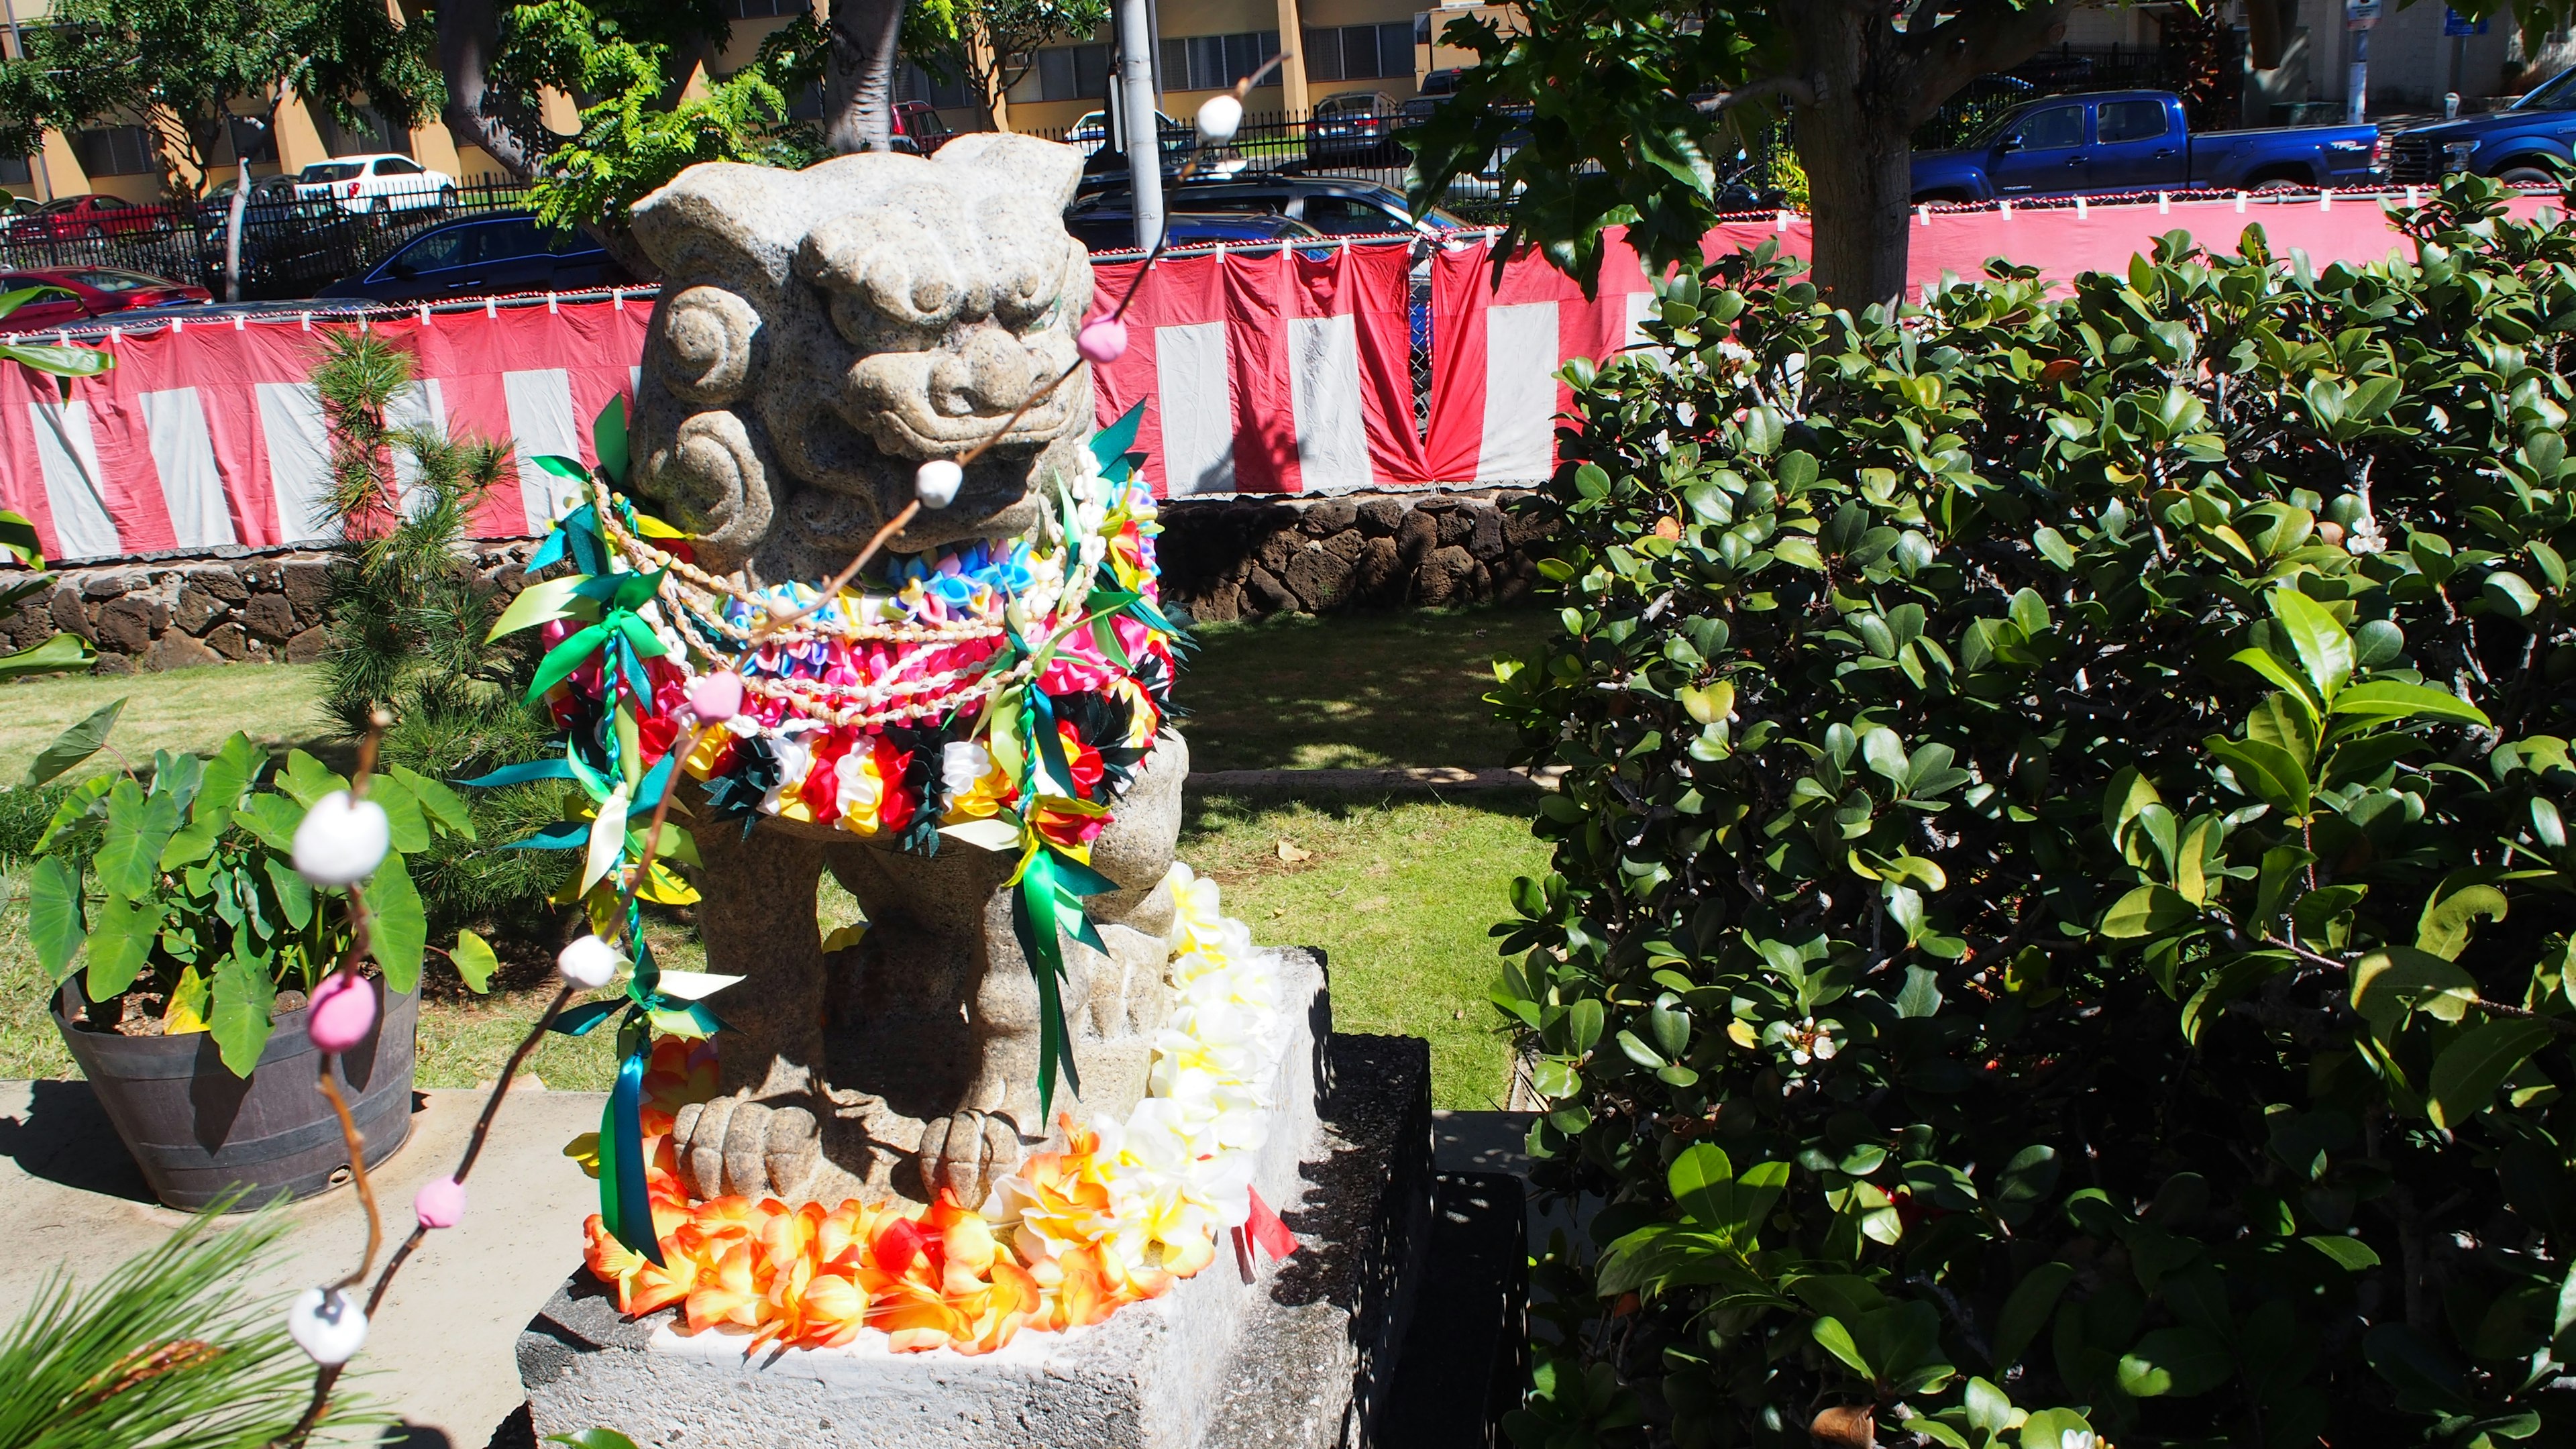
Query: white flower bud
(1219, 117)
(327, 1324)
(589, 963)
(935, 482)
(341, 840)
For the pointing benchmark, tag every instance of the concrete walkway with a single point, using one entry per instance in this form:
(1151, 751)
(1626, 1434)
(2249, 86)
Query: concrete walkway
(440, 1352)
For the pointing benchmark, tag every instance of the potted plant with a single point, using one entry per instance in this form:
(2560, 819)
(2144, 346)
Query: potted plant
(197, 942)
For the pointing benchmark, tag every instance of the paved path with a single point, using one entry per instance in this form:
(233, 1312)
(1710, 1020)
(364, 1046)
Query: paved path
(441, 1351)
(1433, 777)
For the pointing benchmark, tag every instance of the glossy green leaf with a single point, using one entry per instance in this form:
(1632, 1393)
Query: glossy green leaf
(244, 995)
(121, 932)
(2395, 699)
(54, 925)
(2469, 1070)
(76, 744)
(397, 925)
(129, 853)
(2324, 649)
(474, 960)
(2148, 910)
(2180, 1362)
(59, 654)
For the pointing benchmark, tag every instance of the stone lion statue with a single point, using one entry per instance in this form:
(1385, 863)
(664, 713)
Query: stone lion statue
(820, 334)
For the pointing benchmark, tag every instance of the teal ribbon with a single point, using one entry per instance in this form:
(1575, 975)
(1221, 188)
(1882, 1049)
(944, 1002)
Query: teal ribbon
(1046, 907)
(624, 1206)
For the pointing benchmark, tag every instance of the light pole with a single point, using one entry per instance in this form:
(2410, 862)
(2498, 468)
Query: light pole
(1138, 105)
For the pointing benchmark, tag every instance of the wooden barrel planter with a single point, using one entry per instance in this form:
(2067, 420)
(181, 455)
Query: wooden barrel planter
(198, 1131)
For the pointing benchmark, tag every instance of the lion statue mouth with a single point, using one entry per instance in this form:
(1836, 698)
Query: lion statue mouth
(823, 332)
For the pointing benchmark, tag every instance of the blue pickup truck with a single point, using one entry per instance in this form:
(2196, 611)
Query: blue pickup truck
(2136, 141)
(2515, 144)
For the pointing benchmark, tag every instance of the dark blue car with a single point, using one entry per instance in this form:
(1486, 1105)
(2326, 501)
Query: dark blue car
(1113, 229)
(2115, 141)
(482, 256)
(2517, 144)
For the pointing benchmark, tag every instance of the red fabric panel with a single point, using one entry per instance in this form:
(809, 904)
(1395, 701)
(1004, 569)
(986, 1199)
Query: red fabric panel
(1372, 285)
(1184, 291)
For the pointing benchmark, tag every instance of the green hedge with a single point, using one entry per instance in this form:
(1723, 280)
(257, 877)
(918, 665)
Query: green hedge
(2059, 923)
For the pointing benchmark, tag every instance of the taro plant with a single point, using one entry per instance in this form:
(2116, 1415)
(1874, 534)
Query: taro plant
(184, 891)
(2059, 923)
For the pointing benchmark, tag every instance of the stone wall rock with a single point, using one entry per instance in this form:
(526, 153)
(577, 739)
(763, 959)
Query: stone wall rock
(185, 613)
(1222, 558)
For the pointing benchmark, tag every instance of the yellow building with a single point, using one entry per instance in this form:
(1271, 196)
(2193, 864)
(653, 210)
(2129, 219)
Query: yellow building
(1202, 46)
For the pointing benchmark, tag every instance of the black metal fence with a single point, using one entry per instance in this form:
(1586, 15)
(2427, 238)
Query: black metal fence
(2068, 68)
(290, 246)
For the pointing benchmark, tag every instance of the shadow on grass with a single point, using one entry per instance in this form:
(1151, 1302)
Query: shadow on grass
(1352, 691)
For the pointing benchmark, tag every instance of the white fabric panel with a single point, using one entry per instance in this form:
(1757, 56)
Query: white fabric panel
(299, 460)
(192, 486)
(82, 527)
(1197, 408)
(1521, 355)
(1641, 305)
(1324, 387)
(414, 407)
(541, 423)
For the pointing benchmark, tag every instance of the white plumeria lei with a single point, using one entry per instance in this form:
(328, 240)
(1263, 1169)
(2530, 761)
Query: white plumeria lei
(1180, 1165)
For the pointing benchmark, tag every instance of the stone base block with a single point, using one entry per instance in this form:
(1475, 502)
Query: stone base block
(1298, 1354)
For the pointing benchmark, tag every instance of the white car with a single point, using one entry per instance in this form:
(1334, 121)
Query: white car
(376, 185)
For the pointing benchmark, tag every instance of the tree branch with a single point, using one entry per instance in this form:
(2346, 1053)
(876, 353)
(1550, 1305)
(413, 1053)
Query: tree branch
(469, 38)
(1793, 88)
(1988, 36)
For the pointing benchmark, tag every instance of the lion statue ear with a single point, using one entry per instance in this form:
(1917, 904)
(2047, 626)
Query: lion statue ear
(1022, 164)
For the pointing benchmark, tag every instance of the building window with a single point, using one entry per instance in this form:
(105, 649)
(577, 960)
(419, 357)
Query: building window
(252, 140)
(117, 151)
(764, 9)
(913, 83)
(16, 171)
(1073, 73)
(1215, 62)
(1360, 52)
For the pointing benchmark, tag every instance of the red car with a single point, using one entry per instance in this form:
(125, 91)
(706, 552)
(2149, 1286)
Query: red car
(66, 217)
(80, 293)
(918, 122)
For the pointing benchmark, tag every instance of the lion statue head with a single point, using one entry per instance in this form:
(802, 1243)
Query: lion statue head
(821, 333)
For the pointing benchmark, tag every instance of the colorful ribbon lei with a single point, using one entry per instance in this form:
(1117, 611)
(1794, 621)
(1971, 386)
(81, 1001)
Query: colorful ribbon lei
(1000, 694)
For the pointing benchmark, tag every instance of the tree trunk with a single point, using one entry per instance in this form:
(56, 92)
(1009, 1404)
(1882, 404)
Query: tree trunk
(858, 75)
(233, 230)
(1854, 142)
(469, 36)
(1872, 84)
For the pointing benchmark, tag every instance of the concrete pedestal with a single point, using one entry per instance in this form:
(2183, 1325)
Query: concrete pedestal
(1297, 1354)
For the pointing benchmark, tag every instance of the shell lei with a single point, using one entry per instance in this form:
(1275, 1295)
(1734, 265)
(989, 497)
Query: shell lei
(1125, 1212)
(1000, 695)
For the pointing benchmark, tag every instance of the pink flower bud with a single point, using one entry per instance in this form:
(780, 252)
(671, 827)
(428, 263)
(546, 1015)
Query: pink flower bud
(342, 1011)
(440, 1203)
(1103, 341)
(716, 697)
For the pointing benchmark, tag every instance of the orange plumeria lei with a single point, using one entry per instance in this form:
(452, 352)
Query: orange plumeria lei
(1088, 1230)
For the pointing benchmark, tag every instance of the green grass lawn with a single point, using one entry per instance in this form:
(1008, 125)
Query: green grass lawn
(1353, 691)
(189, 709)
(1397, 891)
